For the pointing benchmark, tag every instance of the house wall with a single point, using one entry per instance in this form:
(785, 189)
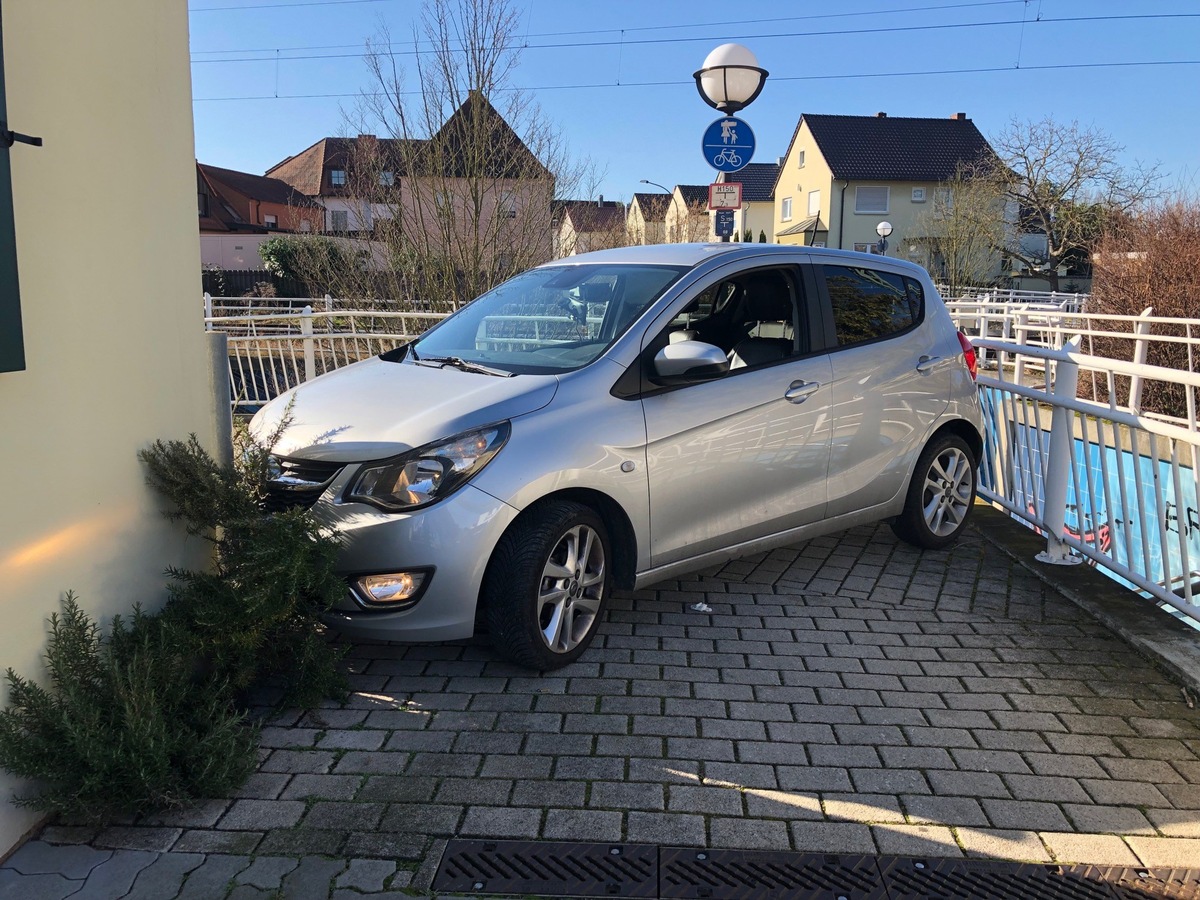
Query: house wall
(795, 181)
(232, 251)
(111, 364)
(642, 231)
(758, 215)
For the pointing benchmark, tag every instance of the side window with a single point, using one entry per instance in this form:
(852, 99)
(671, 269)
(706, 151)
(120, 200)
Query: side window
(755, 317)
(869, 304)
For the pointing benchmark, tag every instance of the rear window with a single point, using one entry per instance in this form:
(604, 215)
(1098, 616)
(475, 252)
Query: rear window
(869, 304)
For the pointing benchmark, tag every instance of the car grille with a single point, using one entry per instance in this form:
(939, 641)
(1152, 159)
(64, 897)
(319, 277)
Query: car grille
(298, 483)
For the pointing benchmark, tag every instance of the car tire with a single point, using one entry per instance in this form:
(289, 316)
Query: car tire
(940, 495)
(547, 584)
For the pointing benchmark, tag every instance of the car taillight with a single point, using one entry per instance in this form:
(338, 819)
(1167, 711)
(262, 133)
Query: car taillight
(969, 355)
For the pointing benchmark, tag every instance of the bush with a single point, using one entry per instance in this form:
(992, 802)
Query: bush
(1152, 260)
(256, 616)
(127, 725)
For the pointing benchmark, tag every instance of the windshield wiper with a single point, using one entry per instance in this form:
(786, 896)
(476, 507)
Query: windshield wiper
(461, 364)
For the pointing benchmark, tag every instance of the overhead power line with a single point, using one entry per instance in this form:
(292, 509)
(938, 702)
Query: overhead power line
(672, 27)
(892, 29)
(822, 77)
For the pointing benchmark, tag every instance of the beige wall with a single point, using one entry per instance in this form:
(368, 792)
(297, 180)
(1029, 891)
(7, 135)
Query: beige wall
(108, 368)
(795, 181)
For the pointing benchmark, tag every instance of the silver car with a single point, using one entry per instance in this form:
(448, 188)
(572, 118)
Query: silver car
(618, 418)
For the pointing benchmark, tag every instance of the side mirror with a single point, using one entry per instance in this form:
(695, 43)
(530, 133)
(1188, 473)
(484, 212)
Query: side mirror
(687, 362)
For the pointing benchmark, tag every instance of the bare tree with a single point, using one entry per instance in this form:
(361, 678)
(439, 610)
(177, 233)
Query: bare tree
(451, 181)
(1062, 182)
(964, 225)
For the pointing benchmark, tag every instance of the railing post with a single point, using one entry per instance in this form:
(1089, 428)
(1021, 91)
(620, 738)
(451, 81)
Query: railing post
(328, 304)
(1140, 346)
(310, 356)
(207, 311)
(1058, 461)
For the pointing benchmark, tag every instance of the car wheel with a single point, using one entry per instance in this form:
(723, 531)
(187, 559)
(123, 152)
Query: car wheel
(940, 495)
(546, 585)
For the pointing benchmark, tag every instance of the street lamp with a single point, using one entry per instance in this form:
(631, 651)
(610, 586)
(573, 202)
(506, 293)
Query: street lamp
(883, 229)
(730, 78)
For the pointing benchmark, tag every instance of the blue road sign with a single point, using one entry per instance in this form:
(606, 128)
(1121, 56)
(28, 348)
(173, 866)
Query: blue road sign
(724, 222)
(728, 144)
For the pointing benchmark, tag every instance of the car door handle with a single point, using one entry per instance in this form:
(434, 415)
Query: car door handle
(926, 363)
(799, 391)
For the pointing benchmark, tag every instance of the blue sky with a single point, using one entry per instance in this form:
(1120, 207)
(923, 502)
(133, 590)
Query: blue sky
(615, 76)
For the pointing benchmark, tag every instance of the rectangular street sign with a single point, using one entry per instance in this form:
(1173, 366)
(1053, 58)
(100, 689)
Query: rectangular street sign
(725, 195)
(724, 223)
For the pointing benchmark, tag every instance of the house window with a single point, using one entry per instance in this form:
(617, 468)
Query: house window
(339, 220)
(918, 195)
(387, 179)
(785, 211)
(800, 159)
(814, 203)
(337, 177)
(12, 343)
(871, 199)
(202, 202)
(442, 199)
(270, 222)
(508, 206)
(860, 247)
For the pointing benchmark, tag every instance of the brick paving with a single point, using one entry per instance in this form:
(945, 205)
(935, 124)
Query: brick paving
(849, 694)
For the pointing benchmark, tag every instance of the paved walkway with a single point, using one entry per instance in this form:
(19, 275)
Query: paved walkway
(849, 694)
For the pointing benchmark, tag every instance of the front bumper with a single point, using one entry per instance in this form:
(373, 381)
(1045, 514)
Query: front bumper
(454, 538)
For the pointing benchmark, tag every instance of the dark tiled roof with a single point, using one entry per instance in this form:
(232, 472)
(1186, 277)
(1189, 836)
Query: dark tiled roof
(256, 187)
(757, 180)
(589, 216)
(874, 148)
(694, 193)
(653, 206)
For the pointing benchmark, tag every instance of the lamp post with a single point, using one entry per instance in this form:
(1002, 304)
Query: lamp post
(883, 229)
(664, 189)
(730, 78)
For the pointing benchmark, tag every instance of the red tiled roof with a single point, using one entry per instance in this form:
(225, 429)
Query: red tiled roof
(256, 187)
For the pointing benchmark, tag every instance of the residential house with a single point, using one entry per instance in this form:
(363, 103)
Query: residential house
(585, 225)
(238, 211)
(757, 215)
(93, 367)
(474, 176)
(687, 215)
(646, 220)
(843, 175)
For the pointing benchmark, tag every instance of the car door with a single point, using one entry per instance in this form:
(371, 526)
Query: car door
(744, 455)
(888, 382)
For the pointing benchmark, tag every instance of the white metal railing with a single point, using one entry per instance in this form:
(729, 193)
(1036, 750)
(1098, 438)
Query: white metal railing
(1117, 488)
(275, 350)
(1063, 300)
(1051, 328)
(271, 352)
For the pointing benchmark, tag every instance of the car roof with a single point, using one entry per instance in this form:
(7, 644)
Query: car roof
(692, 255)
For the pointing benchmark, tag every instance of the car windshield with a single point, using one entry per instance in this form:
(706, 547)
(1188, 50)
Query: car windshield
(547, 320)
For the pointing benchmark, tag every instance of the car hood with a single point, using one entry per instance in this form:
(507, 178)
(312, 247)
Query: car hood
(375, 409)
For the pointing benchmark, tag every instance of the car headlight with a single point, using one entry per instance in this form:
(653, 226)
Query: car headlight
(430, 473)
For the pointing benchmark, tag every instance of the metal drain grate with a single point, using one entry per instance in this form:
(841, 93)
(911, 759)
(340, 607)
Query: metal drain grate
(941, 879)
(552, 869)
(743, 874)
(564, 869)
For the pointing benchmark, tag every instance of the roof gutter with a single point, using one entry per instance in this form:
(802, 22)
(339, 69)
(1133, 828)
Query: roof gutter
(842, 214)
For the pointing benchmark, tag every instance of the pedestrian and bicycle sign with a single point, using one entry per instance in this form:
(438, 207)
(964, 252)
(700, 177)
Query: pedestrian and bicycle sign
(728, 144)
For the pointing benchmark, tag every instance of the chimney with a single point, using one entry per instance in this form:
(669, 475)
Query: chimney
(881, 115)
(600, 202)
(367, 138)
(959, 117)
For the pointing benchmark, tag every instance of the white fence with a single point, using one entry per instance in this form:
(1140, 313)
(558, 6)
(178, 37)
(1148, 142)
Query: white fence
(273, 350)
(1119, 489)
(994, 296)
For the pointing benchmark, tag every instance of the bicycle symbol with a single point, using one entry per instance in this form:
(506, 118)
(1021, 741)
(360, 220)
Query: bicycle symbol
(727, 158)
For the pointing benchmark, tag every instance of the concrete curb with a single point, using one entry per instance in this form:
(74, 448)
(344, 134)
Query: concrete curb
(1159, 637)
